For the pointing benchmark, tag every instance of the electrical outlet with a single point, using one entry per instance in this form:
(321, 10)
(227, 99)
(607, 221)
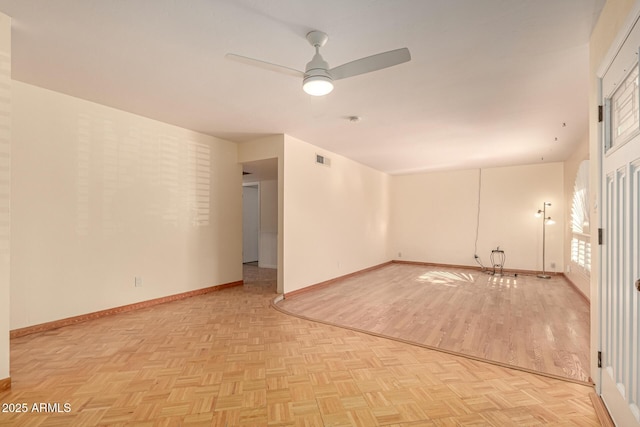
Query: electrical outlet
(553, 265)
(399, 254)
(137, 282)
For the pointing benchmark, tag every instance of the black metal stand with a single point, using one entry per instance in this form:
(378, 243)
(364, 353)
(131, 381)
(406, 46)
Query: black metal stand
(497, 260)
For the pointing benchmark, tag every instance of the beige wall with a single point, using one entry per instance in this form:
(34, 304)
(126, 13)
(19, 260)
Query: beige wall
(434, 216)
(269, 206)
(101, 196)
(336, 217)
(574, 272)
(613, 17)
(5, 191)
(268, 252)
(269, 147)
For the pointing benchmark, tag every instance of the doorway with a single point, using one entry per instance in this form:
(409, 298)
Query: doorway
(262, 218)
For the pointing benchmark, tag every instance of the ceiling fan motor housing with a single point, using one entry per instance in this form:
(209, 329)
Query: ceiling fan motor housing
(317, 67)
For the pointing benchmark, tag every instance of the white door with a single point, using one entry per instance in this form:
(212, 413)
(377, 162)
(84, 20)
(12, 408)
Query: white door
(620, 251)
(250, 223)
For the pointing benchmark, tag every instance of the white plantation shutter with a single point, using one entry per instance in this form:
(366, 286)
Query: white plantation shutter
(581, 241)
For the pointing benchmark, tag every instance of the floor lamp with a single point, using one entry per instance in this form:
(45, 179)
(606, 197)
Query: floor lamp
(545, 220)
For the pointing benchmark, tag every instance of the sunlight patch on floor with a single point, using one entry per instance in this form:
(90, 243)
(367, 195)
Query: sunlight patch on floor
(503, 282)
(447, 278)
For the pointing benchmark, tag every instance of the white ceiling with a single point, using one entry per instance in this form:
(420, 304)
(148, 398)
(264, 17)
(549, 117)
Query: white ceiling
(490, 83)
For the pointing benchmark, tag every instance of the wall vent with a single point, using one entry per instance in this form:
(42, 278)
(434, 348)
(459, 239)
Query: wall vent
(322, 160)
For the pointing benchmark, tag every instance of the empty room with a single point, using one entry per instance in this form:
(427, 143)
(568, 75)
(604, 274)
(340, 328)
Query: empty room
(354, 213)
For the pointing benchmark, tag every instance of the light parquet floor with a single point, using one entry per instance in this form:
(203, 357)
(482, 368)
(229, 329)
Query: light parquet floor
(228, 359)
(535, 324)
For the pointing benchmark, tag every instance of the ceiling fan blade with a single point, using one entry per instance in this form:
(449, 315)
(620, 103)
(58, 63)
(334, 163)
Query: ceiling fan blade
(265, 65)
(371, 63)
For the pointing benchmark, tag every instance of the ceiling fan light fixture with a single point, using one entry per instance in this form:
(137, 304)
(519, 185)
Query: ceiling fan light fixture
(317, 85)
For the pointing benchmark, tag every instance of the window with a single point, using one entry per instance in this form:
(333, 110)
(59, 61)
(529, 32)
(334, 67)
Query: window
(624, 111)
(581, 240)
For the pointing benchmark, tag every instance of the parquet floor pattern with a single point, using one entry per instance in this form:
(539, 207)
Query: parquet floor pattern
(228, 359)
(535, 324)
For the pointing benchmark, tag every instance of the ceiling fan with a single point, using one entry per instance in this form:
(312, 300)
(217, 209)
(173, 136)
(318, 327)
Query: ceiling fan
(317, 79)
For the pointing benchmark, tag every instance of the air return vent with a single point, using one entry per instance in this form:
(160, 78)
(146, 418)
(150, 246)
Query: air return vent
(322, 160)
